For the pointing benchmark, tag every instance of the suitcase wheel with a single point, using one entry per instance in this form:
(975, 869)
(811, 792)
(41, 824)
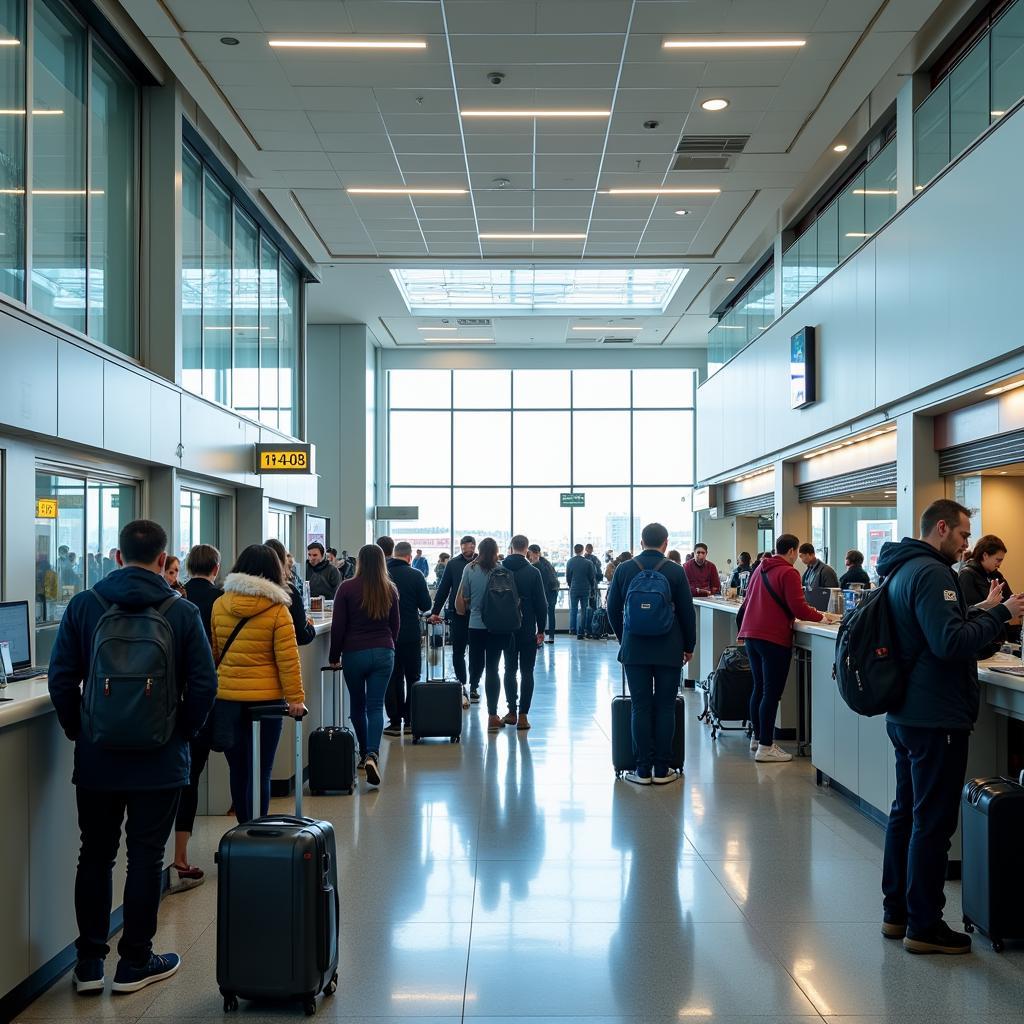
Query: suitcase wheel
(997, 945)
(309, 1006)
(332, 986)
(230, 1003)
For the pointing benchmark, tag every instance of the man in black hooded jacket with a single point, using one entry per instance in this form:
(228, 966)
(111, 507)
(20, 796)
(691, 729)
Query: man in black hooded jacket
(533, 603)
(413, 598)
(940, 641)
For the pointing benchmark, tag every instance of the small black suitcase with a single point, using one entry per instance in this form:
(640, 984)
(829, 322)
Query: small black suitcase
(277, 900)
(623, 755)
(332, 748)
(992, 830)
(730, 689)
(435, 704)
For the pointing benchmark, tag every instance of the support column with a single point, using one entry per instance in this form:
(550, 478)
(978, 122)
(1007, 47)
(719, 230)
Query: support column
(918, 483)
(165, 503)
(912, 92)
(790, 515)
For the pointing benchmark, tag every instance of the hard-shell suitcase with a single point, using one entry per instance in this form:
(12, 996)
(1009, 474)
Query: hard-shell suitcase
(728, 692)
(277, 899)
(435, 704)
(992, 831)
(332, 748)
(623, 754)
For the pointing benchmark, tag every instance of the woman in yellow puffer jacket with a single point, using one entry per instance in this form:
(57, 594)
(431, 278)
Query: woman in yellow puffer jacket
(260, 664)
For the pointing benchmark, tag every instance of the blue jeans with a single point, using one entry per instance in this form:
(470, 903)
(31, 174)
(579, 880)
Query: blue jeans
(769, 665)
(366, 675)
(580, 612)
(652, 690)
(239, 759)
(930, 769)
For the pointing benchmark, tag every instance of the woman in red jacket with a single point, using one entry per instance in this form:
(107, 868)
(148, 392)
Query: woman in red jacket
(775, 597)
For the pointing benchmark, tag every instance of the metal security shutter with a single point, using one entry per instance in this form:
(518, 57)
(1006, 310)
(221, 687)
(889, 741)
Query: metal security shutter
(847, 483)
(751, 506)
(978, 455)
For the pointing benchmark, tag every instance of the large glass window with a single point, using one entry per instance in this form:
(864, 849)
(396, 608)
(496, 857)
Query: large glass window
(199, 521)
(81, 120)
(242, 309)
(621, 438)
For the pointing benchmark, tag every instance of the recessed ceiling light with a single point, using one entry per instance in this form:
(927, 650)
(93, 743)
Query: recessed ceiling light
(730, 280)
(840, 147)
(858, 234)
(609, 327)
(229, 40)
(1006, 387)
(407, 191)
(348, 44)
(715, 104)
(731, 44)
(997, 113)
(10, 42)
(458, 339)
(526, 235)
(1003, 472)
(663, 191)
(874, 192)
(13, 112)
(535, 113)
(682, 213)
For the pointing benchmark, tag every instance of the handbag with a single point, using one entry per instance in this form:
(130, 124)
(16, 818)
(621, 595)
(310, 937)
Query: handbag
(226, 716)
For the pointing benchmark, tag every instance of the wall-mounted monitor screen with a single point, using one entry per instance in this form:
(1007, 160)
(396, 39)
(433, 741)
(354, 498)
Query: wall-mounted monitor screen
(803, 374)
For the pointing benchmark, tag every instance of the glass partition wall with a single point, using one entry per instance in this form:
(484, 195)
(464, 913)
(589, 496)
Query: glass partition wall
(839, 527)
(621, 440)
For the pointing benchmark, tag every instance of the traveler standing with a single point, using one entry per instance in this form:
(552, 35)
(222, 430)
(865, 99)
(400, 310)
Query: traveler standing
(855, 571)
(551, 587)
(675, 556)
(485, 647)
(447, 590)
(413, 598)
(533, 604)
(305, 632)
(774, 599)
(386, 544)
(257, 661)
(172, 570)
(322, 577)
(595, 593)
(701, 573)
(365, 630)
(203, 565)
(581, 578)
(652, 651)
(940, 637)
(442, 561)
(420, 563)
(741, 574)
(121, 766)
(817, 573)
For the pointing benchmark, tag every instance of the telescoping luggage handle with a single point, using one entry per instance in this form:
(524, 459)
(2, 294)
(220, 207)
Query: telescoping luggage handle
(277, 709)
(336, 691)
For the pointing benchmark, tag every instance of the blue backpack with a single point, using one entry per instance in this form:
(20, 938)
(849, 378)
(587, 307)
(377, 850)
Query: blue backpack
(649, 610)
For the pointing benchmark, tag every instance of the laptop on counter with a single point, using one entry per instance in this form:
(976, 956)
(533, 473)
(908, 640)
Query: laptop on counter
(14, 630)
(818, 597)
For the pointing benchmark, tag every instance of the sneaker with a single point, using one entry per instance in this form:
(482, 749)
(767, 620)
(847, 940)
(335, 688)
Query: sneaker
(664, 780)
(393, 729)
(361, 765)
(940, 938)
(523, 724)
(894, 929)
(131, 979)
(753, 744)
(638, 777)
(189, 877)
(372, 770)
(88, 977)
(550, 640)
(772, 755)
(465, 699)
(494, 723)
(474, 696)
(510, 719)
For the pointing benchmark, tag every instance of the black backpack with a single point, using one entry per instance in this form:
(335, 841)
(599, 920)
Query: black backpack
(868, 670)
(501, 612)
(130, 700)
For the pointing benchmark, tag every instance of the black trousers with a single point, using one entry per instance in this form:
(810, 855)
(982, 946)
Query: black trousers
(521, 655)
(930, 769)
(485, 651)
(150, 818)
(199, 753)
(405, 673)
(459, 625)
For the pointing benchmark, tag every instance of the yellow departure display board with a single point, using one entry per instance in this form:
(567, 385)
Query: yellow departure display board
(46, 508)
(284, 458)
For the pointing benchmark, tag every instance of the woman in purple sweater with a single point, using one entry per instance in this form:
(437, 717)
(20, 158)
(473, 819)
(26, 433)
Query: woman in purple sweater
(364, 631)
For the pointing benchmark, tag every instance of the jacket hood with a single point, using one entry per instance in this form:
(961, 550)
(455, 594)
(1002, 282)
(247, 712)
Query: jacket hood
(320, 566)
(134, 587)
(773, 562)
(515, 562)
(894, 554)
(249, 595)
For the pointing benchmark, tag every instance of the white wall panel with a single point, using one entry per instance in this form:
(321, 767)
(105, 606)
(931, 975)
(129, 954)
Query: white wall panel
(28, 384)
(126, 411)
(213, 441)
(164, 424)
(79, 395)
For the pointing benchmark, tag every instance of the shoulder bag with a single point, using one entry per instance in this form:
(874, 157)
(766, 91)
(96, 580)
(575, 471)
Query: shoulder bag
(226, 716)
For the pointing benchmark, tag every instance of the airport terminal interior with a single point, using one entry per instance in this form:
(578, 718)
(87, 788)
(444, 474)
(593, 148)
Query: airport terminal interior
(321, 272)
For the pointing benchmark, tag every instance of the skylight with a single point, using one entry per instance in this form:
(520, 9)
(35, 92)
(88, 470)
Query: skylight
(579, 290)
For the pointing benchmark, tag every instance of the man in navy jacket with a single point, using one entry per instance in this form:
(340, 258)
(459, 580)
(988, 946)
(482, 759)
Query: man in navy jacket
(533, 603)
(143, 784)
(652, 663)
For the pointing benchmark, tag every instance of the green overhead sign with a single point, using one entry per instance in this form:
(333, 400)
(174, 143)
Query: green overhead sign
(572, 499)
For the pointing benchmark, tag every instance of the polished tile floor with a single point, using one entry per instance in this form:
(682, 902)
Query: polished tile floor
(512, 878)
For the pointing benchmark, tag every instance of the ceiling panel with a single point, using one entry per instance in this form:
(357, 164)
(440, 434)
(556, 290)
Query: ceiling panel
(394, 16)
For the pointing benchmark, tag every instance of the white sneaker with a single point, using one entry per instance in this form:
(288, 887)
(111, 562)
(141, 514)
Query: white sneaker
(753, 744)
(774, 754)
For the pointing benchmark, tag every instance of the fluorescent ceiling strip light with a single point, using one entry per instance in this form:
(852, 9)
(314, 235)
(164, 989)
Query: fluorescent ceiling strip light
(730, 327)
(858, 234)
(535, 113)
(1006, 387)
(407, 191)
(610, 327)
(437, 328)
(997, 113)
(348, 44)
(731, 44)
(874, 191)
(52, 192)
(663, 191)
(458, 339)
(10, 42)
(35, 113)
(526, 236)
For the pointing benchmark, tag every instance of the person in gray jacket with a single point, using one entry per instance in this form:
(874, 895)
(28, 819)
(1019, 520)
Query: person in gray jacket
(817, 573)
(322, 577)
(581, 576)
(940, 638)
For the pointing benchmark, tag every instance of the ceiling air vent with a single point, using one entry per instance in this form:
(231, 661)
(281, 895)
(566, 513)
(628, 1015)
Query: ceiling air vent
(474, 321)
(617, 339)
(708, 152)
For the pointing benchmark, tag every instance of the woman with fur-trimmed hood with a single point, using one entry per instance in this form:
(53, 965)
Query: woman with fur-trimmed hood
(253, 640)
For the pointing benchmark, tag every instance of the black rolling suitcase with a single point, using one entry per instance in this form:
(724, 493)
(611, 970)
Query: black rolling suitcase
(728, 692)
(277, 900)
(992, 829)
(435, 704)
(623, 755)
(332, 748)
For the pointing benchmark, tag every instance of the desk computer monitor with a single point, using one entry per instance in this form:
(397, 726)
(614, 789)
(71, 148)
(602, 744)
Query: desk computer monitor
(14, 629)
(818, 597)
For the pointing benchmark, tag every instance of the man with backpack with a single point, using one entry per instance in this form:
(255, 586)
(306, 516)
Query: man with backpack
(132, 679)
(939, 639)
(651, 612)
(533, 606)
(444, 599)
